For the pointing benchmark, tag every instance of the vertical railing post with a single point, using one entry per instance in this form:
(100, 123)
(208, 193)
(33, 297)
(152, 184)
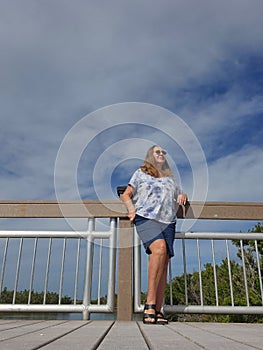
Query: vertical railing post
(124, 304)
(88, 270)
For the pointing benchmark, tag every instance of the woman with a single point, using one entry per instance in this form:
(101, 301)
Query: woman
(154, 191)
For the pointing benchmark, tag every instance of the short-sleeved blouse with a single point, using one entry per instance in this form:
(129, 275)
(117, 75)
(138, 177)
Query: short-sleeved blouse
(155, 198)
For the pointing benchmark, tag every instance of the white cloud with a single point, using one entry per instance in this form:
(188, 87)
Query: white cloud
(61, 60)
(237, 177)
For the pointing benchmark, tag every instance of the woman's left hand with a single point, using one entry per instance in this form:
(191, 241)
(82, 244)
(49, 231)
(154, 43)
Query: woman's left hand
(182, 199)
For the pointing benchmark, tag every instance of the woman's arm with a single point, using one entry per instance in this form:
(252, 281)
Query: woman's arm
(126, 198)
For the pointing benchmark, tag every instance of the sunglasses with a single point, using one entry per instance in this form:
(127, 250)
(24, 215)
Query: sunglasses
(160, 152)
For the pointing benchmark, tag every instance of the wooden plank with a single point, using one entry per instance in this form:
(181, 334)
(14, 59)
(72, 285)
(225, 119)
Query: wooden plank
(225, 210)
(220, 336)
(25, 327)
(10, 327)
(124, 335)
(163, 337)
(115, 208)
(34, 337)
(87, 337)
(54, 209)
(247, 334)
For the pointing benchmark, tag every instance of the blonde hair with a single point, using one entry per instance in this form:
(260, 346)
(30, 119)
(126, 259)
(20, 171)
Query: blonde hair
(149, 165)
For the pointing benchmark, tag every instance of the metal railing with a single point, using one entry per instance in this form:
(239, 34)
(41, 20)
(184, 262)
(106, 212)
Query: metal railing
(87, 259)
(83, 245)
(202, 257)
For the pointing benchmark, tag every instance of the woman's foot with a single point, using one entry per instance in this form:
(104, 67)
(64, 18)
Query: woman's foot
(149, 314)
(160, 319)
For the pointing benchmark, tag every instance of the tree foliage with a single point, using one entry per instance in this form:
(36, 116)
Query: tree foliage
(22, 297)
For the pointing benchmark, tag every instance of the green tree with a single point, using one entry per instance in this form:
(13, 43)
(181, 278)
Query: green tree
(6, 297)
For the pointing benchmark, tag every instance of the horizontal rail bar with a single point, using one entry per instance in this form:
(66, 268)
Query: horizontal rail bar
(203, 309)
(219, 235)
(54, 234)
(115, 208)
(106, 234)
(41, 308)
(199, 309)
(53, 308)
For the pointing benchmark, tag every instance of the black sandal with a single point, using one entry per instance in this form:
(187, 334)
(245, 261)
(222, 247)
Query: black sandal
(149, 318)
(160, 318)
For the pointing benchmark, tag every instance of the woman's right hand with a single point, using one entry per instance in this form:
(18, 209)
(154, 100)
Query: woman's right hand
(132, 215)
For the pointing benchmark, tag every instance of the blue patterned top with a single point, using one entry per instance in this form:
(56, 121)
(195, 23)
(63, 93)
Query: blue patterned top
(155, 198)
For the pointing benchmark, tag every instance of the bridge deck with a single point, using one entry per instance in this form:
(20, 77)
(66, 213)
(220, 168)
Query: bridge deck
(74, 335)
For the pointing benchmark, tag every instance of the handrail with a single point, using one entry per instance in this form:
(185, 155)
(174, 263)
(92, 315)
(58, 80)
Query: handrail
(115, 208)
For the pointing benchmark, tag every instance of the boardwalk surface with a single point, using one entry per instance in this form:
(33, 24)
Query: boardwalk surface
(107, 335)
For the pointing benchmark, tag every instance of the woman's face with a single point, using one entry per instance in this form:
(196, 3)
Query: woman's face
(159, 155)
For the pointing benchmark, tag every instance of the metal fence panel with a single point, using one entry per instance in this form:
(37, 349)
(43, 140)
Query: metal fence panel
(202, 307)
(51, 261)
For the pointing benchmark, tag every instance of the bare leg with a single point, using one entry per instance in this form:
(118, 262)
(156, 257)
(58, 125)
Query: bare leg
(162, 285)
(156, 272)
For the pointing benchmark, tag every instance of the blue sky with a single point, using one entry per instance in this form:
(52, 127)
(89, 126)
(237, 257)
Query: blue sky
(61, 61)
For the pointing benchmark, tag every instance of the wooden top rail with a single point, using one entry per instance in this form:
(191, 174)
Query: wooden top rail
(115, 208)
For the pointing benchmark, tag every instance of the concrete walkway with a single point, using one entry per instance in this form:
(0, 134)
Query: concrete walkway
(107, 335)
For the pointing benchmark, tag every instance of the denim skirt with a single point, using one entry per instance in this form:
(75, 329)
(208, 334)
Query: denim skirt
(151, 230)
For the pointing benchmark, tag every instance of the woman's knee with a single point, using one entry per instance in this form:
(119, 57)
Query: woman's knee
(159, 247)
